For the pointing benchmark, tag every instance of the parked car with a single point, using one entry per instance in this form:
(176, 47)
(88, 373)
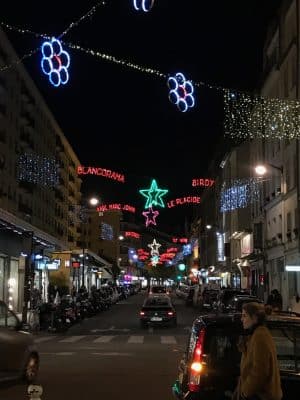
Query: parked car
(210, 366)
(236, 303)
(209, 297)
(158, 310)
(19, 358)
(225, 297)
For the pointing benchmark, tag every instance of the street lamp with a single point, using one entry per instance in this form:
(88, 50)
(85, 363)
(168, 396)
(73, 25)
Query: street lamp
(94, 201)
(261, 169)
(85, 210)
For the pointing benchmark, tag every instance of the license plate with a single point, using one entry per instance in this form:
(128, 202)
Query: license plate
(156, 319)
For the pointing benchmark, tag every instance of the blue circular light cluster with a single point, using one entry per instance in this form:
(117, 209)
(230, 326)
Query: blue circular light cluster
(181, 92)
(55, 62)
(144, 5)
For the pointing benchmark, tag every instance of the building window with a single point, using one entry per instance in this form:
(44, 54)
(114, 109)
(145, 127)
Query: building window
(288, 224)
(288, 177)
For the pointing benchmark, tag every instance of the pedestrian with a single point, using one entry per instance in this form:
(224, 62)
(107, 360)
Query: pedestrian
(275, 300)
(259, 369)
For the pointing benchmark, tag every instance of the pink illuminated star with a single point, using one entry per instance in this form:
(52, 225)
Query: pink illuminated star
(150, 216)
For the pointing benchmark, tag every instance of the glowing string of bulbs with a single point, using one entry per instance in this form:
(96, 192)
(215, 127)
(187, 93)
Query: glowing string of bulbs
(44, 35)
(238, 105)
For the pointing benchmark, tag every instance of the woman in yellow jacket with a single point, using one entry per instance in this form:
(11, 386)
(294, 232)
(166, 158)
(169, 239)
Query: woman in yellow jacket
(259, 370)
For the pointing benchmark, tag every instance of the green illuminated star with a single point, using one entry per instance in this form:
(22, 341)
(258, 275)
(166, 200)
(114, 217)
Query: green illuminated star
(154, 195)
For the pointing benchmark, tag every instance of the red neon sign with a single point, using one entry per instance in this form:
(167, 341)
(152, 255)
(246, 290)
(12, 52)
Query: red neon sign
(179, 240)
(167, 256)
(172, 250)
(206, 182)
(107, 173)
(133, 235)
(184, 200)
(116, 206)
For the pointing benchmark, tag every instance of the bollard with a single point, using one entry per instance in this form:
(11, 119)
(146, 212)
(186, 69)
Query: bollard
(35, 392)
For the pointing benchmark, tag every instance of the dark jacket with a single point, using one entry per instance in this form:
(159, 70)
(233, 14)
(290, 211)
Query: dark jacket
(275, 300)
(260, 373)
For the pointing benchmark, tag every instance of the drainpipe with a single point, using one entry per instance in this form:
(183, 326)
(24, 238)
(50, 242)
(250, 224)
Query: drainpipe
(297, 223)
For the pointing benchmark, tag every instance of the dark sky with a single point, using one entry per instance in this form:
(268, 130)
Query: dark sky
(121, 119)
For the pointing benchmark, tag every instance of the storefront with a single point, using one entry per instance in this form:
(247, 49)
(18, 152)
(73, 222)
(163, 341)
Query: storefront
(20, 242)
(11, 282)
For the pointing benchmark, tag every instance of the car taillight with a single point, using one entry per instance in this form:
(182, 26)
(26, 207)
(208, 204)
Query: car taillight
(142, 313)
(170, 313)
(196, 365)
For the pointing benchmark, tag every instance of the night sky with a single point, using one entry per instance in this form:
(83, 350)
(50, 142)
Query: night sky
(121, 119)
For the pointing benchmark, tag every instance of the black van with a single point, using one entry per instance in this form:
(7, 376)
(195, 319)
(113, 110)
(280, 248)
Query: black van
(210, 365)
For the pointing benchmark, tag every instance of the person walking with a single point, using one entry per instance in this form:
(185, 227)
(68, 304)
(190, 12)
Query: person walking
(259, 369)
(275, 300)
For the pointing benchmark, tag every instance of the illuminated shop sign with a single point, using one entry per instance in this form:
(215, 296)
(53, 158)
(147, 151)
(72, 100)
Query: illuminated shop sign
(221, 247)
(184, 200)
(75, 264)
(106, 173)
(247, 245)
(292, 268)
(116, 206)
(48, 264)
(203, 182)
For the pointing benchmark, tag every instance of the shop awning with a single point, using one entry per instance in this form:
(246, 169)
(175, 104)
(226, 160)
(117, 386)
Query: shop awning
(105, 273)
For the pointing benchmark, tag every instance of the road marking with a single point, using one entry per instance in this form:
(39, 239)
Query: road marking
(167, 340)
(63, 353)
(103, 339)
(111, 329)
(136, 339)
(114, 354)
(44, 339)
(72, 339)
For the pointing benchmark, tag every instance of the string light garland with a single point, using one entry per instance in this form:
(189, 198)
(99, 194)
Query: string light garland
(245, 115)
(78, 214)
(72, 25)
(88, 51)
(119, 61)
(181, 92)
(19, 60)
(23, 31)
(239, 193)
(37, 169)
(252, 117)
(143, 5)
(107, 232)
(89, 14)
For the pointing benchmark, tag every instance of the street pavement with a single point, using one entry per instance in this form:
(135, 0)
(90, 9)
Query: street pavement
(110, 355)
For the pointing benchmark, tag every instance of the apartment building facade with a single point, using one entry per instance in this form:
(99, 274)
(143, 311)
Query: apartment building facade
(279, 207)
(38, 182)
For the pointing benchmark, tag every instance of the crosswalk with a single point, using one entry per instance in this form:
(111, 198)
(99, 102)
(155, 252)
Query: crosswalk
(129, 339)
